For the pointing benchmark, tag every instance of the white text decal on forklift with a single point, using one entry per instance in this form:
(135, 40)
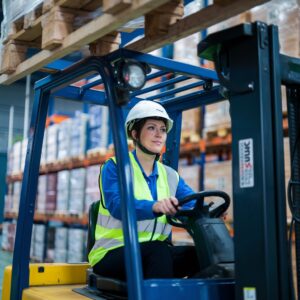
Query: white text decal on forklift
(246, 163)
(249, 293)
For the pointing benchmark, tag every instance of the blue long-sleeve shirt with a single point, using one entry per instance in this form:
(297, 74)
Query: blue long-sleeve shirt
(143, 207)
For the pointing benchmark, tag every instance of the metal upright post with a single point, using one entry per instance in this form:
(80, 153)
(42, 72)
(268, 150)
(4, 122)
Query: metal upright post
(20, 269)
(244, 62)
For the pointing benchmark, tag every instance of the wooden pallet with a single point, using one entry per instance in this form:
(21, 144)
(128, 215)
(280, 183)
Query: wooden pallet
(168, 28)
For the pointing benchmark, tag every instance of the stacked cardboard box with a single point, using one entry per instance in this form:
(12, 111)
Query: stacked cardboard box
(218, 176)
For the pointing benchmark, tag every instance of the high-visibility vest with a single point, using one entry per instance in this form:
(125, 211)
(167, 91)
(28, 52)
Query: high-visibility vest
(109, 233)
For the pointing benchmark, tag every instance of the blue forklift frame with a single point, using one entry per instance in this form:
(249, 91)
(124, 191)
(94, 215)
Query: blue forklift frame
(57, 85)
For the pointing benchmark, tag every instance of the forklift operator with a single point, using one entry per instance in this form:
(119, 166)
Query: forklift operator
(156, 190)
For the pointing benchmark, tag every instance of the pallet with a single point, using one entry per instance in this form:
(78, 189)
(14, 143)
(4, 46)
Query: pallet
(117, 13)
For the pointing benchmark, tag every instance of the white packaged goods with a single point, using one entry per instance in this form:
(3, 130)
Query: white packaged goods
(10, 157)
(92, 192)
(77, 191)
(4, 241)
(44, 148)
(8, 235)
(76, 202)
(8, 204)
(78, 137)
(61, 238)
(17, 152)
(39, 242)
(42, 194)
(64, 129)
(24, 151)
(16, 196)
(63, 191)
(76, 245)
(52, 134)
(98, 127)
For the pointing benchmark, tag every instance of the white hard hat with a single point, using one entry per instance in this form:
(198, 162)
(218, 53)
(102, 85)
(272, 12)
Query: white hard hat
(147, 109)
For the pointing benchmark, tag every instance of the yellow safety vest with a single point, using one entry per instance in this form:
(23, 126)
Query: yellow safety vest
(109, 233)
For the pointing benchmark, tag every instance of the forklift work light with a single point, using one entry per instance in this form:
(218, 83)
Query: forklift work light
(131, 75)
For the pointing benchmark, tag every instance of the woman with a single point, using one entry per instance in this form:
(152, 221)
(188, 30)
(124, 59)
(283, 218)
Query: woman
(156, 190)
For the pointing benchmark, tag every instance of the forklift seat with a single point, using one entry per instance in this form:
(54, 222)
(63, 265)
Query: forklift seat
(104, 285)
(92, 221)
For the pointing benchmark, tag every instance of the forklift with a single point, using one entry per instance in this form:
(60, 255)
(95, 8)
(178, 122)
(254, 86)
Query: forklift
(249, 73)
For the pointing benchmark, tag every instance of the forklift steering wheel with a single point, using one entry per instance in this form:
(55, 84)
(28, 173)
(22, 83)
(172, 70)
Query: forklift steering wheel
(200, 209)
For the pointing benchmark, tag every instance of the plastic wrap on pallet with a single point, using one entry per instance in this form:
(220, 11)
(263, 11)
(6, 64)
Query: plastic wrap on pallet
(14, 10)
(41, 194)
(64, 129)
(76, 245)
(79, 136)
(51, 193)
(52, 134)
(92, 192)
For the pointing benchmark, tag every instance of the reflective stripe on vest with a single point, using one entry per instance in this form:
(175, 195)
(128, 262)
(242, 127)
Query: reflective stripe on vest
(109, 234)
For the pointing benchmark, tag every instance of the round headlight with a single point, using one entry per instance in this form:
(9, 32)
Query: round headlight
(133, 75)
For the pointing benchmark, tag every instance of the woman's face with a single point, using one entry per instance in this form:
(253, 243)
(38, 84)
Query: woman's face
(153, 135)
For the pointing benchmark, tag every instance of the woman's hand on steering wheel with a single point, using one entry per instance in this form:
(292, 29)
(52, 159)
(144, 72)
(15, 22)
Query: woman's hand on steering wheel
(168, 206)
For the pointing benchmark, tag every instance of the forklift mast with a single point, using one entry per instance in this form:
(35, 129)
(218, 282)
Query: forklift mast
(251, 71)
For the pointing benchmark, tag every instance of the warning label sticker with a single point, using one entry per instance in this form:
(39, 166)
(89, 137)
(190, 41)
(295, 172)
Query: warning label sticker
(246, 163)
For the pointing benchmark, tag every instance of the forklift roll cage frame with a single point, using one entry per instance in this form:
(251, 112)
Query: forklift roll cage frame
(258, 192)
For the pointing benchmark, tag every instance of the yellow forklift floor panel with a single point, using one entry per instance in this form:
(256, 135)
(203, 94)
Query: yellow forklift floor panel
(52, 292)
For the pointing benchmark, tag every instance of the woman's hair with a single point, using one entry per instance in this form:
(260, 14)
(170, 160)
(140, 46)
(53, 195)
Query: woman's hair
(139, 124)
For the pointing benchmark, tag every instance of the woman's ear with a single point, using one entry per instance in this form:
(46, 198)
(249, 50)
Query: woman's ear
(134, 134)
